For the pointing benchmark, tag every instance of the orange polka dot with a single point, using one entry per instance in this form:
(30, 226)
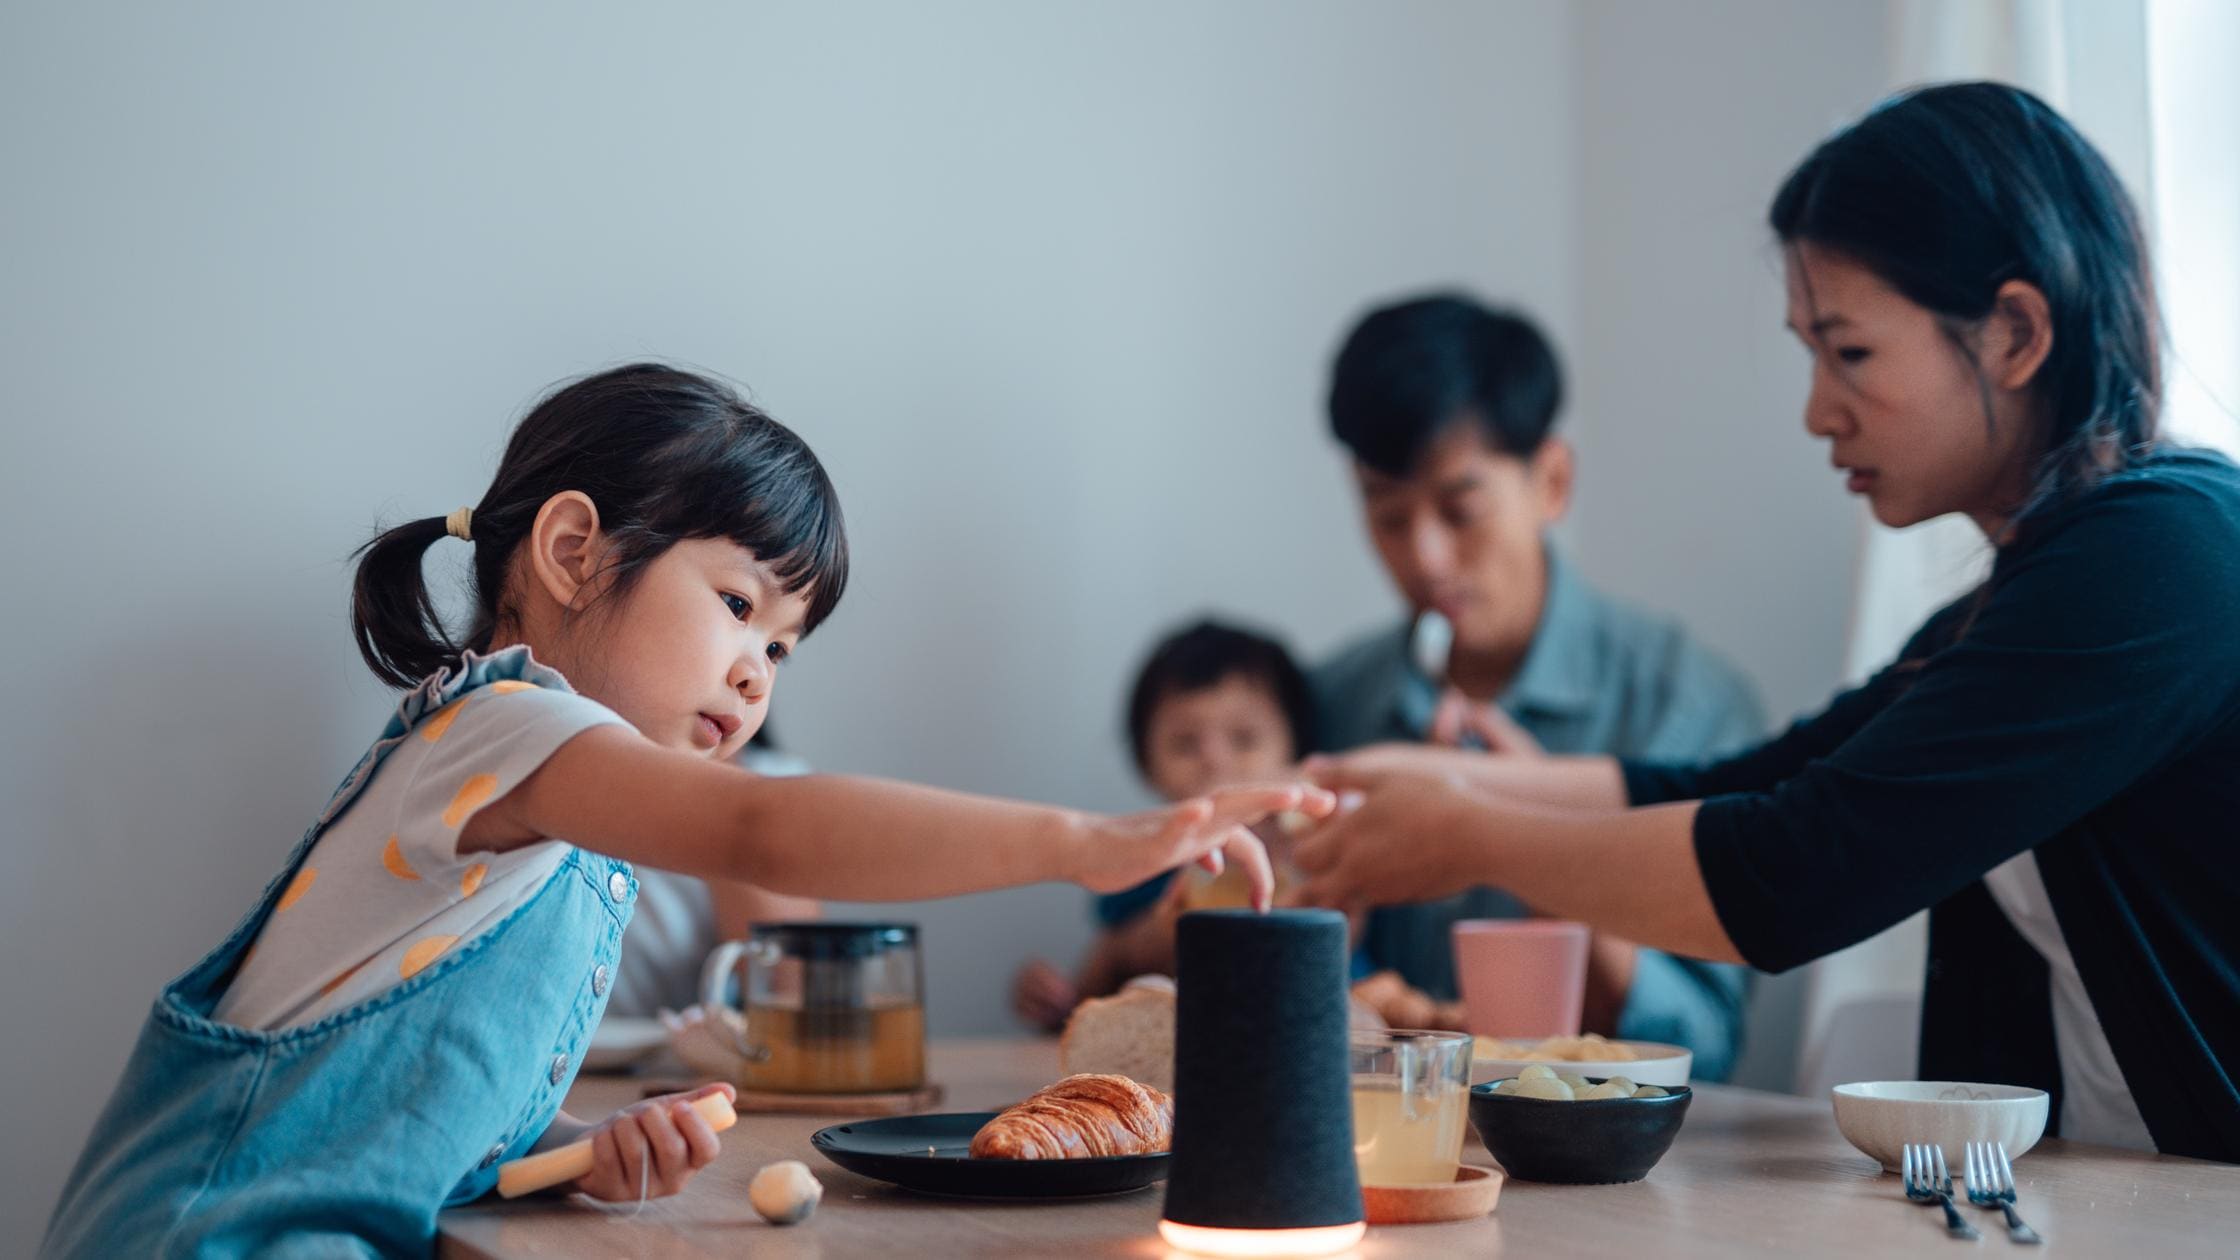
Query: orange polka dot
(473, 878)
(434, 728)
(297, 887)
(473, 794)
(327, 989)
(424, 951)
(506, 687)
(393, 858)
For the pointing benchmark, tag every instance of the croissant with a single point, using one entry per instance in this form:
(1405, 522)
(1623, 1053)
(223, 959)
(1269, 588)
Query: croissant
(1081, 1117)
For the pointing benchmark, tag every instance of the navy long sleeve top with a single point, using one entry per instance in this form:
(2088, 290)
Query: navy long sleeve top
(2084, 706)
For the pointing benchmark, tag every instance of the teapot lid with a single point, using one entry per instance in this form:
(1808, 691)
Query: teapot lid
(823, 939)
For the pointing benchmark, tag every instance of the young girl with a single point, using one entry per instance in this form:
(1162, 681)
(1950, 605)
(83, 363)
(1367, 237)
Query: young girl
(2049, 765)
(405, 1007)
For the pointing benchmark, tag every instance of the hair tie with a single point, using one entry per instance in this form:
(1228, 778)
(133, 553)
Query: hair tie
(460, 524)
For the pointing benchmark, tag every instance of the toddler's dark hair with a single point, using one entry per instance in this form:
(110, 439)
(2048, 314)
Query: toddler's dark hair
(1207, 653)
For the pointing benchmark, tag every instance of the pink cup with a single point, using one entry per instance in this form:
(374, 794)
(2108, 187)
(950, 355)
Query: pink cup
(1522, 977)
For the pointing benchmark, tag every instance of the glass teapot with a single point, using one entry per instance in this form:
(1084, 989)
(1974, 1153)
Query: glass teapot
(823, 1008)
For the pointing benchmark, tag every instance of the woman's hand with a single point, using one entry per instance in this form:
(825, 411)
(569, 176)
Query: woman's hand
(1116, 853)
(1592, 783)
(1462, 764)
(656, 1145)
(1419, 837)
(1408, 839)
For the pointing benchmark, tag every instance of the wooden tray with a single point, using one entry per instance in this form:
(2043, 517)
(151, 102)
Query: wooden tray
(753, 1102)
(1471, 1195)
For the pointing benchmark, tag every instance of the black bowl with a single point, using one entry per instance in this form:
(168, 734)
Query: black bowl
(1601, 1142)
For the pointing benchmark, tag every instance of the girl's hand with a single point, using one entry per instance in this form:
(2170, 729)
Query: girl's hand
(657, 1144)
(1118, 853)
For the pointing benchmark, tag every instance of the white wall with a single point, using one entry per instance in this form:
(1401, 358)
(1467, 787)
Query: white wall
(1049, 287)
(1129, 428)
(1700, 492)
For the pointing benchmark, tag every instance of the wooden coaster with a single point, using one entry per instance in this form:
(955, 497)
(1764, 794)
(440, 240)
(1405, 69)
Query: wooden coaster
(753, 1102)
(1472, 1194)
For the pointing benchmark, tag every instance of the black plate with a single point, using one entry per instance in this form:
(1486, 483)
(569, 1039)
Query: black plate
(927, 1154)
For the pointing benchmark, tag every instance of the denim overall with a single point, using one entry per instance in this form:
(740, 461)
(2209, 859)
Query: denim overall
(345, 1136)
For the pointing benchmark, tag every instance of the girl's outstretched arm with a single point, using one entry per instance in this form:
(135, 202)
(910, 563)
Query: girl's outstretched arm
(860, 839)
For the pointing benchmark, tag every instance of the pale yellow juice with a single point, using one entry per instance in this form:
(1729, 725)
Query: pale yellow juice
(1408, 1139)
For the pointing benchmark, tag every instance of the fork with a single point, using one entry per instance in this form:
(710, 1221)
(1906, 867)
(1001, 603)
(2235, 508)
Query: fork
(1927, 1181)
(1991, 1184)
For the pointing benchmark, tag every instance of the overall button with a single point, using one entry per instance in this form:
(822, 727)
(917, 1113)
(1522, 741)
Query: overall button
(599, 980)
(559, 1067)
(495, 1152)
(618, 886)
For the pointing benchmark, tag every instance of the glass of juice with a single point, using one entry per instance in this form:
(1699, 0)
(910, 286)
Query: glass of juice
(1410, 1105)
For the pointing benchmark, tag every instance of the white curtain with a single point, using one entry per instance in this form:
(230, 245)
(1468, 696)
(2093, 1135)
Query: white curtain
(2195, 124)
(2148, 81)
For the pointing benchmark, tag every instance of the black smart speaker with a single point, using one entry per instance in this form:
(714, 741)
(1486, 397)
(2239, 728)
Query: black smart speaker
(1263, 1094)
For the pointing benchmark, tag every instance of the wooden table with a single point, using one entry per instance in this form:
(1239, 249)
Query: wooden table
(1751, 1174)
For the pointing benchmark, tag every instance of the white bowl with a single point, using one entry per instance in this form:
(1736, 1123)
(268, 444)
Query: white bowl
(1880, 1117)
(1659, 1064)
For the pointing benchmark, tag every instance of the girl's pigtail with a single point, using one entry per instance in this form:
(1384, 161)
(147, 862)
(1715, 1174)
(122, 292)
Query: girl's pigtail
(392, 614)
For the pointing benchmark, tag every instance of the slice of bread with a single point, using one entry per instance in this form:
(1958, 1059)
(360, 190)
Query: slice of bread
(1129, 1034)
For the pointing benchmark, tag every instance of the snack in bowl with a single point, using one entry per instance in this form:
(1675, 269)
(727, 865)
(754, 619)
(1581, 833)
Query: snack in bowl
(1587, 1048)
(1087, 1116)
(1541, 1081)
(1545, 1129)
(1642, 1062)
